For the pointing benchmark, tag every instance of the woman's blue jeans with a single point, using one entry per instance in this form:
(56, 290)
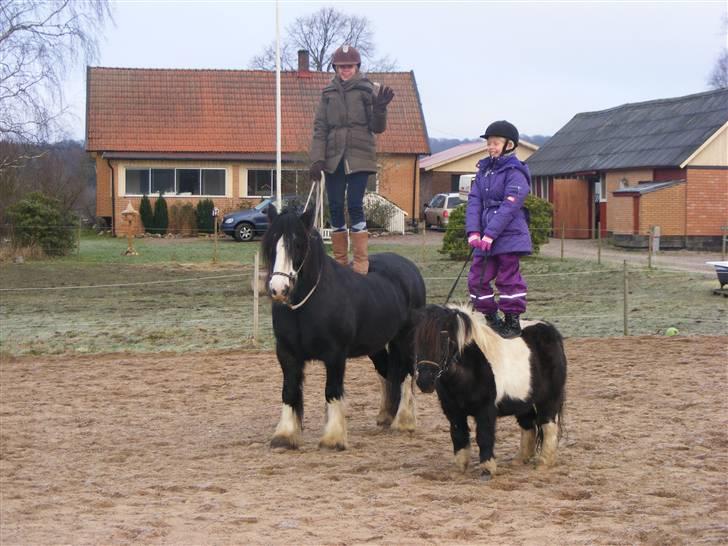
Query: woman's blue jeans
(353, 187)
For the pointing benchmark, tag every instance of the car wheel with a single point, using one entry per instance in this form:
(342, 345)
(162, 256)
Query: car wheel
(439, 223)
(244, 232)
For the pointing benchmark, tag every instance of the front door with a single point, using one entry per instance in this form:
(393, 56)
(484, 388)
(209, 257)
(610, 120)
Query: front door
(571, 208)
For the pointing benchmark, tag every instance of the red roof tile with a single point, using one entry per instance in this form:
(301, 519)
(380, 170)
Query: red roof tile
(170, 110)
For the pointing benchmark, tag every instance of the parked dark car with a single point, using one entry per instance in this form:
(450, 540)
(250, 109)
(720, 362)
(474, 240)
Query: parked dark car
(245, 224)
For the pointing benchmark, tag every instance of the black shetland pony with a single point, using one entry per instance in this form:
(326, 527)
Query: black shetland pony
(324, 311)
(478, 373)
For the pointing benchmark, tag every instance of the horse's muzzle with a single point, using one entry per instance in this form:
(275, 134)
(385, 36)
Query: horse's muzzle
(425, 376)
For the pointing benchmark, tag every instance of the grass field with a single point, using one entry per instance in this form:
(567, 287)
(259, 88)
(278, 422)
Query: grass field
(173, 298)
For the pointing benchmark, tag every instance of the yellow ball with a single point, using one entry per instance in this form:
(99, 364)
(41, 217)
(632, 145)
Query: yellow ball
(672, 331)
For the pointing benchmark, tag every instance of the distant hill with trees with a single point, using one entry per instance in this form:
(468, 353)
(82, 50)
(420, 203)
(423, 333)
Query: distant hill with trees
(440, 144)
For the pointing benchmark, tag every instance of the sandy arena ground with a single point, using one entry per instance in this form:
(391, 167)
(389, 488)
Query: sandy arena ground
(167, 449)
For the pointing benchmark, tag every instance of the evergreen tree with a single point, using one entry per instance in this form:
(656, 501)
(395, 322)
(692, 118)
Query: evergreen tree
(146, 214)
(161, 215)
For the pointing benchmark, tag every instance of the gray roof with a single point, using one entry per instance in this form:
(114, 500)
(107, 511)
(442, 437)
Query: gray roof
(657, 133)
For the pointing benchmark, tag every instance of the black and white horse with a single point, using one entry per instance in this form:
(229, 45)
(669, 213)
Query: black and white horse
(324, 311)
(478, 373)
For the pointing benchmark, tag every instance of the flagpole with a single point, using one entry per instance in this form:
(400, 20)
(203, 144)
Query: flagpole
(278, 111)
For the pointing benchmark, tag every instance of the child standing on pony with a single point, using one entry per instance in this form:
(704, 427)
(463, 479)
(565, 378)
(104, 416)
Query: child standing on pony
(497, 227)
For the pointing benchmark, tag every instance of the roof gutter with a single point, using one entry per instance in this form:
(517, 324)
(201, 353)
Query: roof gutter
(113, 199)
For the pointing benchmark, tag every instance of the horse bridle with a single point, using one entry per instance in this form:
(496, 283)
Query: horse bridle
(447, 356)
(292, 277)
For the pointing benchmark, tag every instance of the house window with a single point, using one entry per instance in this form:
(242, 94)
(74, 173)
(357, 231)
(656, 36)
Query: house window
(175, 181)
(137, 181)
(188, 181)
(262, 183)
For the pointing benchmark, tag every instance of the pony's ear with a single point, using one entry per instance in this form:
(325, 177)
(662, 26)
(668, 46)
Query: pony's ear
(307, 219)
(272, 213)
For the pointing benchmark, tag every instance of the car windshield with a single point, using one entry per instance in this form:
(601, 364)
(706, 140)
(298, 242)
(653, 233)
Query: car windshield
(264, 203)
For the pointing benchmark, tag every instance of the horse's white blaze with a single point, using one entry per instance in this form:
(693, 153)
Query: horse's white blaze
(550, 443)
(283, 264)
(405, 418)
(509, 358)
(462, 459)
(289, 426)
(335, 430)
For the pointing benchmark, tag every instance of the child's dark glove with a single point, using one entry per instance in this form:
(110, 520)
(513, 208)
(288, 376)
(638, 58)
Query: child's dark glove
(315, 170)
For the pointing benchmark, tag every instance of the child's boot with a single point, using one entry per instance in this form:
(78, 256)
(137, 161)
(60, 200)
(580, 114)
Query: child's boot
(511, 326)
(493, 321)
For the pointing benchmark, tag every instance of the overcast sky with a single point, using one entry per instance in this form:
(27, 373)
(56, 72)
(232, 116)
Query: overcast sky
(533, 63)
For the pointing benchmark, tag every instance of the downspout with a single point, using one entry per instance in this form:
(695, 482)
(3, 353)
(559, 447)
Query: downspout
(415, 215)
(113, 199)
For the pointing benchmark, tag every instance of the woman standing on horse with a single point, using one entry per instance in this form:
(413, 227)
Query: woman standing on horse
(352, 109)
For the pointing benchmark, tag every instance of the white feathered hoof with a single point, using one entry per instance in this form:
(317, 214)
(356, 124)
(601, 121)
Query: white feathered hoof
(384, 418)
(284, 442)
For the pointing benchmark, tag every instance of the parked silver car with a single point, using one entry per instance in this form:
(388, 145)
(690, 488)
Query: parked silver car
(437, 211)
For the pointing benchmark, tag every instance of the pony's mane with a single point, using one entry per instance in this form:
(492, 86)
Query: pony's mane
(478, 332)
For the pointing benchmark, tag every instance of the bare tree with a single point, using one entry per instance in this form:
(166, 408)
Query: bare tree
(39, 41)
(320, 34)
(719, 76)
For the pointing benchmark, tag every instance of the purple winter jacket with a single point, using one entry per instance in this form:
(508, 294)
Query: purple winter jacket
(495, 205)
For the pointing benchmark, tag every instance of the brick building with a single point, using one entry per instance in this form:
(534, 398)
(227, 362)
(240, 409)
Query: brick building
(198, 134)
(656, 163)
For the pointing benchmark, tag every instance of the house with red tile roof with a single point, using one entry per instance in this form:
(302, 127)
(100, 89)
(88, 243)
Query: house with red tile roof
(196, 134)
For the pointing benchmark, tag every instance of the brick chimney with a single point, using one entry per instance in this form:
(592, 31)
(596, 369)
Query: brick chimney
(303, 62)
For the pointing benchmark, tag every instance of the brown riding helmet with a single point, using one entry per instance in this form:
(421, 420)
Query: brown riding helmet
(346, 54)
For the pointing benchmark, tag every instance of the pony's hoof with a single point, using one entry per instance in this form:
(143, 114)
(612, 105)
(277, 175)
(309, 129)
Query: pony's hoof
(283, 442)
(332, 445)
(485, 476)
(542, 463)
(384, 419)
(404, 423)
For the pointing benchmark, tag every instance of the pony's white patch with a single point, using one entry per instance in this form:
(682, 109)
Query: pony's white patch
(283, 264)
(289, 426)
(509, 358)
(405, 419)
(547, 457)
(335, 436)
(527, 323)
(462, 459)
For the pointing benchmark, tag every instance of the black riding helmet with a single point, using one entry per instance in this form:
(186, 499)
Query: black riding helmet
(503, 129)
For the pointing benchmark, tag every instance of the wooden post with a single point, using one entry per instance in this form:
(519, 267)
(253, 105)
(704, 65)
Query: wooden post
(256, 300)
(423, 227)
(563, 229)
(625, 302)
(649, 247)
(79, 237)
(725, 235)
(599, 243)
(214, 255)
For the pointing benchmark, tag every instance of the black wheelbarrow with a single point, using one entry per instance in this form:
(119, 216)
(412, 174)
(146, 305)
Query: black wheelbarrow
(721, 268)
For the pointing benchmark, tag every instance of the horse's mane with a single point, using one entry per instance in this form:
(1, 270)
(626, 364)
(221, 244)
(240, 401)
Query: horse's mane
(474, 329)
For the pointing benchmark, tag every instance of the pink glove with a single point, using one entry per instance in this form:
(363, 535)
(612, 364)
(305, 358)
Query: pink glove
(474, 240)
(486, 243)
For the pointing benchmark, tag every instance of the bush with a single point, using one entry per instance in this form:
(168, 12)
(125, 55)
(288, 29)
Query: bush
(40, 221)
(161, 216)
(541, 212)
(378, 212)
(187, 220)
(455, 242)
(204, 216)
(173, 213)
(146, 214)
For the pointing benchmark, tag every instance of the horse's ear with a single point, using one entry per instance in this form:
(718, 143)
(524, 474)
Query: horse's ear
(307, 219)
(272, 213)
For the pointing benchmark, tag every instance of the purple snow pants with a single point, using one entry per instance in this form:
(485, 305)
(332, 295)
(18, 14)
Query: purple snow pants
(504, 268)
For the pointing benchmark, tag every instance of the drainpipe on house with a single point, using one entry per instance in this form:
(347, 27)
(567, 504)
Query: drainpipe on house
(415, 215)
(113, 199)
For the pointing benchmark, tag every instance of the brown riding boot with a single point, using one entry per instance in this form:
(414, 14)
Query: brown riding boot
(360, 247)
(340, 246)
